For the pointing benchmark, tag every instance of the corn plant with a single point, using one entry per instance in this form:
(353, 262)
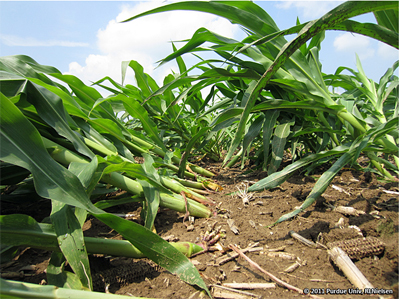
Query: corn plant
(170, 125)
(67, 141)
(279, 95)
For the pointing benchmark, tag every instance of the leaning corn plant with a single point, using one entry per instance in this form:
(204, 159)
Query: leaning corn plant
(66, 143)
(279, 94)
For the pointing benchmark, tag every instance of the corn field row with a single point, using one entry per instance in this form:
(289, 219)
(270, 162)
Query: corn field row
(267, 96)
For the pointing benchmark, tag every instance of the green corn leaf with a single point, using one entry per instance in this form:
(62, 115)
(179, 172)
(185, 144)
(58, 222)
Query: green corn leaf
(105, 204)
(378, 32)
(25, 66)
(137, 111)
(103, 125)
(269, 124)
(201, 36)
(151, 193)
(315, 66)
(324, 181)
(121, 148)
(221, 126)
(224, 74)
(152, 196)
(21, 230)
(278, 144)
(89, 176)
(383, 91)
(88, 96)
(57, 276)
(190, 145)
(307, 131)
(149, 168)
(303, 47)
(279, 177)
(50, 108)
(112, 100)
(258, 65)
(316, 41)
(187, 95)
(141, 78)
(23, 146)
(388, 18)
(70, 239)
(244, 13)
(321, 185)
(383, 129)
(70, 105)
(180, 62)
(120, 87)
(253, 132)
(249, 103)
(305, 104)
(177, 82)
(87, 173)
(206, 102)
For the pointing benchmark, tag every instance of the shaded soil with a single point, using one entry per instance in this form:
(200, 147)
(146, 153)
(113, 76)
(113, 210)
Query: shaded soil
(362, 191)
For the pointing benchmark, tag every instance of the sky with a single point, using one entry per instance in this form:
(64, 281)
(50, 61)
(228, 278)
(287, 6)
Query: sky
(87, 39)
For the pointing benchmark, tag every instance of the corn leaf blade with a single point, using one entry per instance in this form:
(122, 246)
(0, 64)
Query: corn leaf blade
(70, 239)
(281, 133)
(22, 145)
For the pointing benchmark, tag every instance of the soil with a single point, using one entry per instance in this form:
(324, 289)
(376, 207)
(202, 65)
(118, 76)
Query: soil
(378, 217)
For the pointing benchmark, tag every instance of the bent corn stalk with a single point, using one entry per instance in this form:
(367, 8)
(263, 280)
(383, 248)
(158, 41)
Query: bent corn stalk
(22, 230)
(175, 202)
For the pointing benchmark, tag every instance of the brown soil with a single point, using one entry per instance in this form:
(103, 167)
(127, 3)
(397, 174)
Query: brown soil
(359, 190)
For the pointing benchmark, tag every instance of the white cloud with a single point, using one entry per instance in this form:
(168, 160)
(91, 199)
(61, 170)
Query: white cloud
(145, 40)
(349, 42)
(310, 9)
(13, 40)
(387, 52)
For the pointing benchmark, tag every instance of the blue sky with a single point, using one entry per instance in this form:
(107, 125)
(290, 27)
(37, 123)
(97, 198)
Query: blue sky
(85, 38)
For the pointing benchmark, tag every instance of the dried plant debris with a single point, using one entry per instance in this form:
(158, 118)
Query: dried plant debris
(242, 193)
(232, 226)
(340, 189)
(302, 239)
(350, 270)
(250, 286)
(359, 247)
(349, 211)
(292, 267)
